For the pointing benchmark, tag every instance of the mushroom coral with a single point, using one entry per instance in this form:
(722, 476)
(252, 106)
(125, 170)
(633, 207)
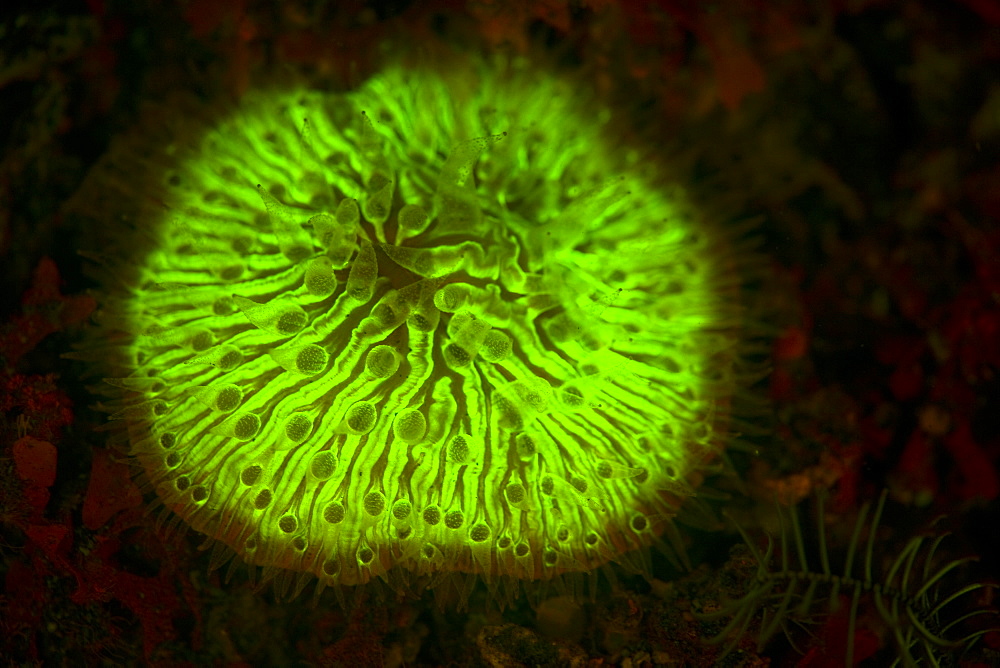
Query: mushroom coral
(451, 320)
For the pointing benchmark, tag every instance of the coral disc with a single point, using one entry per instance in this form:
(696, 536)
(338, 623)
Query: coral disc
(446, 321)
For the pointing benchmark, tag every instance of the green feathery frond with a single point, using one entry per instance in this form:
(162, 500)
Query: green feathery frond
(925, 612)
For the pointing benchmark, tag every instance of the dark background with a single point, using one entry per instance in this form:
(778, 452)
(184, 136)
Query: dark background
(862, 135)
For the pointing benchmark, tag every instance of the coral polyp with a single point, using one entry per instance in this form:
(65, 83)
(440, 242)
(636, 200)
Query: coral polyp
(448, 321)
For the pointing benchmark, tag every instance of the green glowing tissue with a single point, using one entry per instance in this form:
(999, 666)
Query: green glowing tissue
(447, 321)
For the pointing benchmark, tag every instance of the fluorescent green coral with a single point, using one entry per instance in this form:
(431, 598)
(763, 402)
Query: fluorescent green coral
(451, 295)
